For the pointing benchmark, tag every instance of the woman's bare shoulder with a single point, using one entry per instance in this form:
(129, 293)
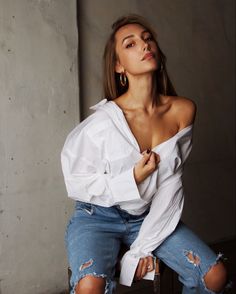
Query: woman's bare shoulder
(185, 109)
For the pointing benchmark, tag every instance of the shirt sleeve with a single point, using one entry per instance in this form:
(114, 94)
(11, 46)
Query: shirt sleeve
(86, 177)
(163, 217)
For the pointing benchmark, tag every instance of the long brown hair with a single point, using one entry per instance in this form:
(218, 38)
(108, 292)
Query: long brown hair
(111, 80)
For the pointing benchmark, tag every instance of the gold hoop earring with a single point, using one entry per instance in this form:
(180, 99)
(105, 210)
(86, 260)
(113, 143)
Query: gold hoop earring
(123, 79)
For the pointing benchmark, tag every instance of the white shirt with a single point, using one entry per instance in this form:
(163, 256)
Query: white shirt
(98, 159)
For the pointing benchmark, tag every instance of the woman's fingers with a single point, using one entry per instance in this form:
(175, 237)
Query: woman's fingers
(150, 266)
(145, 265)
(154, 158)
(139, 269)
(144, 268)
(145, 158)
(153, 161)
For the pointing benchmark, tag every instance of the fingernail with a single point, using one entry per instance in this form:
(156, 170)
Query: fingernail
(148, 150)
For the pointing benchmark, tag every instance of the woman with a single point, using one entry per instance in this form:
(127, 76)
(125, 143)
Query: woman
(123, 166)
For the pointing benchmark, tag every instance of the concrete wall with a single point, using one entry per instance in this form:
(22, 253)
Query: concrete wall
(198, 38)
(38, 107)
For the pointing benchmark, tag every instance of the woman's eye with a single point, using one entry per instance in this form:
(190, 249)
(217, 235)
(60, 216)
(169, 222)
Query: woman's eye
(149, 38)
(129, 45)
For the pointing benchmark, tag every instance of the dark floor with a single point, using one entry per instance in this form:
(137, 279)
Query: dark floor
(169, 280)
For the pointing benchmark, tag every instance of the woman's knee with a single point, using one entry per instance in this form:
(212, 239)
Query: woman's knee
(216, 278)
(91, 285)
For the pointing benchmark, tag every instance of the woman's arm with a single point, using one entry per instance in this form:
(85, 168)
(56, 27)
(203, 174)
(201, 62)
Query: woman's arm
(164, 215)
(85, 174)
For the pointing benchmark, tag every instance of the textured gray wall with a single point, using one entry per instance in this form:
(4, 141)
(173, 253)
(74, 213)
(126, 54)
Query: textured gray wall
(198, 38)
(38, 107)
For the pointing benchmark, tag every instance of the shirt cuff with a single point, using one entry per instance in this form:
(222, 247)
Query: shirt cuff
(124, 187)
(129, 264)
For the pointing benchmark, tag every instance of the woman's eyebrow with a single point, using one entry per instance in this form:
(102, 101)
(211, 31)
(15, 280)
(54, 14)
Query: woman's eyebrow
(130, 36)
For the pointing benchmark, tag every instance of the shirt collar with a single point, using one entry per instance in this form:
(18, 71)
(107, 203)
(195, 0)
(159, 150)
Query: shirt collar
(117, 116)
(99, 104)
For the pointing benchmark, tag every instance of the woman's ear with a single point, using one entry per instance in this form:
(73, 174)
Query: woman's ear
(119, 68)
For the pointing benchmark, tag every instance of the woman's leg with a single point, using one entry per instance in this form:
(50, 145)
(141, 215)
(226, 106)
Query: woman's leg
(91, 285)
(92, 242)
(199, 268)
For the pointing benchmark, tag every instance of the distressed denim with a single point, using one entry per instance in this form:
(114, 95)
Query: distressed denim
(94, 235)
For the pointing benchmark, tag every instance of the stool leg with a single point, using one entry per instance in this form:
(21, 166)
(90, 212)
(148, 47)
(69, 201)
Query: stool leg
(157, 284)
(69, 275)
(157, 278)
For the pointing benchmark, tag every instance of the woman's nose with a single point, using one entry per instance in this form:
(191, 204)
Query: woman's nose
(146, 46)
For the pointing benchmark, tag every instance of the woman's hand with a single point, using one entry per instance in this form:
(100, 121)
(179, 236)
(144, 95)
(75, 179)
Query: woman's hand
(147, 165)
(146, 264)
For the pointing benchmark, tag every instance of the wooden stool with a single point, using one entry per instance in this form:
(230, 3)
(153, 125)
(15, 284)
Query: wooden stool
(69, 276)
(157, 278)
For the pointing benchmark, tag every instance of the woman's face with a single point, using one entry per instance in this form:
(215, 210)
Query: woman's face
(136, 50)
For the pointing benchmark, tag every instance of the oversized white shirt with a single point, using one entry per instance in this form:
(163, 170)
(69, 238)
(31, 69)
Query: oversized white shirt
(98, 159)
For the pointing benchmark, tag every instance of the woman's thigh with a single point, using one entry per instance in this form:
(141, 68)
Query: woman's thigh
(187, 254)
(92, 243)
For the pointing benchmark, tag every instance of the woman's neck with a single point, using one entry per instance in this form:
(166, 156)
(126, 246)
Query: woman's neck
(139, 94)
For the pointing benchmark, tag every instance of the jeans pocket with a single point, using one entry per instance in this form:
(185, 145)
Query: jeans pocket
(84, 206)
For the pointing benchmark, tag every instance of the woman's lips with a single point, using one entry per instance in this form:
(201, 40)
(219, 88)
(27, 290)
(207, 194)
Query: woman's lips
(148, 56)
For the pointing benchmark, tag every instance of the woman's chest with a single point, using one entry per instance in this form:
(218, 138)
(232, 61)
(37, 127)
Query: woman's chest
(121, 154)
(151, 130)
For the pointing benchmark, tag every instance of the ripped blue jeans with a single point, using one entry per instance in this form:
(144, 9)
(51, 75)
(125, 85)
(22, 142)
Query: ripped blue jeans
(94, 234)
